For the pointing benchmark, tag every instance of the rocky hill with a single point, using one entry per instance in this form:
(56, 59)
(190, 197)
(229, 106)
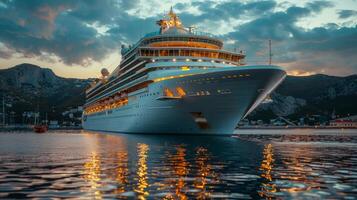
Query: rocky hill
(28, 86)
(317, 94)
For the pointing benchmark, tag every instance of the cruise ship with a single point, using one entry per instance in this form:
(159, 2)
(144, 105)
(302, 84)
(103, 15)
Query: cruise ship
(178, 81)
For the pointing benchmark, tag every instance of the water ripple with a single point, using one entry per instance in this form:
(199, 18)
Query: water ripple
(96, 166)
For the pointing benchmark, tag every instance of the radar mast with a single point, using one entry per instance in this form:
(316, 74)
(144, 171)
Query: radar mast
(170, 20)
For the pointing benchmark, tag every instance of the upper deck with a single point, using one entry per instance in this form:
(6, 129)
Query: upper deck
(190, 38)
(172, 42)
(173, 33)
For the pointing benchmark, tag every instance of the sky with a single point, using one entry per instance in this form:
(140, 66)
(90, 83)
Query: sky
(78, 38)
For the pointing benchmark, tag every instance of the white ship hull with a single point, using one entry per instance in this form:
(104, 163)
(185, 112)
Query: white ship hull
(214, 104)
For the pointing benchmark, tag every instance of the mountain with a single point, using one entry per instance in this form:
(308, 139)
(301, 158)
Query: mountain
(311, 95)
(28, 75)
(28, 86)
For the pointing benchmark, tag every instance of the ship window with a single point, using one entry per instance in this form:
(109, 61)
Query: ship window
(185, 68)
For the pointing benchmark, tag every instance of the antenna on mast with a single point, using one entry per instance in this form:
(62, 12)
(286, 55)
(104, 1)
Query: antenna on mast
(270, 54)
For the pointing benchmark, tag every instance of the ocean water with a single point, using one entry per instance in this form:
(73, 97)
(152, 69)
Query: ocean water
(255, 164)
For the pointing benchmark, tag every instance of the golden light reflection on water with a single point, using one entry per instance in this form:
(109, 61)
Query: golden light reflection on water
(84, 166)
(179, 169)
(294, 172)
(122, 171)
(92, 174)
(297, 169)
(268, 187)
(142, 173)
(203, 171)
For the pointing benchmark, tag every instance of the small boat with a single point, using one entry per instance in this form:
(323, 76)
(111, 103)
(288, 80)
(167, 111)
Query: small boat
(40, 128)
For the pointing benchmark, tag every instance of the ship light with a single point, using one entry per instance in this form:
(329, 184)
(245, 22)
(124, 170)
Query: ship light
(212, 61)
(168, 92)
(199, 60)
(153, 60)
(224, 62)
(185, 68)
(180, 91)
(187, 59)
(174, 60)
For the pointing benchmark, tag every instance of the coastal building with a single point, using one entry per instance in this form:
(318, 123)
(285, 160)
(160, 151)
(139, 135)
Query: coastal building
(72, 116)
(53, 124)
(347, 122)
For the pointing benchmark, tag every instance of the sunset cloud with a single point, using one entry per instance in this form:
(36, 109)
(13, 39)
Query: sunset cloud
(79, 33)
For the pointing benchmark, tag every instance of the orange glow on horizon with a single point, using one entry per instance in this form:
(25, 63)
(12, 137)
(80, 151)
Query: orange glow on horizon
(300, 73)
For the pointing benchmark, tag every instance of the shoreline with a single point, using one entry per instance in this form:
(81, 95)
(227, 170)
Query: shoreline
(252, 130)
(29, 128)
(291, 127)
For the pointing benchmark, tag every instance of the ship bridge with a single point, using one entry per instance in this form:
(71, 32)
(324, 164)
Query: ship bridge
(173, 39)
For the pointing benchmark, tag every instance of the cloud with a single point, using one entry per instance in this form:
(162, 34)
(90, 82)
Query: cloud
(5, 52)
(63, 30)
(329, 49)
(80, 32)
(318, 6)
(343, 14)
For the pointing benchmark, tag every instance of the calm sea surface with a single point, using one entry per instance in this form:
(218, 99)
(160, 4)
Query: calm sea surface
(257, 164)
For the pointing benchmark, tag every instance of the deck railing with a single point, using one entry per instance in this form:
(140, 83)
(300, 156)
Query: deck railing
(157, 33)
(194, 33)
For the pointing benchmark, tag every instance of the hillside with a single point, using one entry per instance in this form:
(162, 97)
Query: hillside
(316, 94)
(28, 87)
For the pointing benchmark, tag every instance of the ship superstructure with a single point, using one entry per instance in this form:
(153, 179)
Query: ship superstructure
(177, 80)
